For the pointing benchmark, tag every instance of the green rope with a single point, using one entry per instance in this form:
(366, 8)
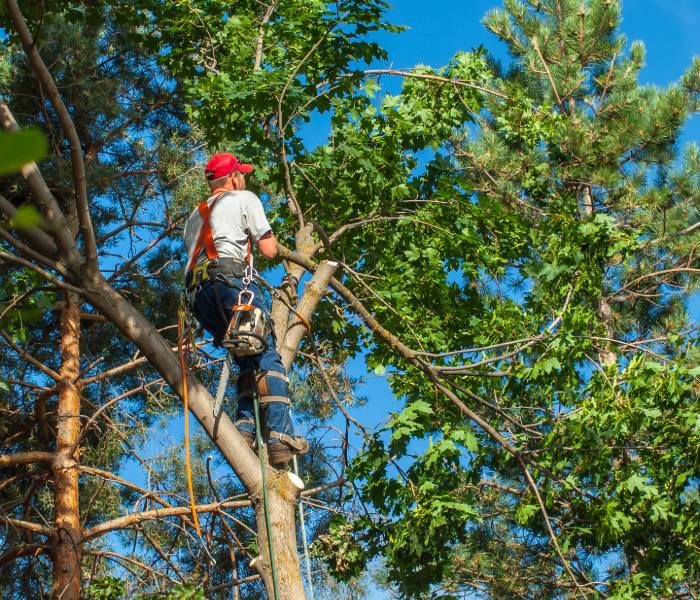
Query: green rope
(307, 560)
(273, 567)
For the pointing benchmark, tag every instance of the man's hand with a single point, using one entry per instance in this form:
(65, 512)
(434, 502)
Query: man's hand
(268, 245)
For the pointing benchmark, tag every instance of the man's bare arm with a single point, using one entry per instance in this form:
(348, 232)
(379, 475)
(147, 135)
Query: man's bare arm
(268, 245)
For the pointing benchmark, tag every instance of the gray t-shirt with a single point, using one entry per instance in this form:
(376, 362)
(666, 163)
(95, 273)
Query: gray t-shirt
(235, 216)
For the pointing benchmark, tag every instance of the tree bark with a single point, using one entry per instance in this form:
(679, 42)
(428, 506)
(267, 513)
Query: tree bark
(283, 490)
(305, 245)
(313, 293)
(67, 550)
(606, 355)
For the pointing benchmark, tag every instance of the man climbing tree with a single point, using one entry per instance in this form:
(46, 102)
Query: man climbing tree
(218, 236)
(526, 297)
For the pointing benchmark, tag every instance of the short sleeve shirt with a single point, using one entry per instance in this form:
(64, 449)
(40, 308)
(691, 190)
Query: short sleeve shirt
(235, 217)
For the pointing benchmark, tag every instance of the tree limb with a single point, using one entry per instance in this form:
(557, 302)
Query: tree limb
(78, 165)
(158, 513)
(26, 458)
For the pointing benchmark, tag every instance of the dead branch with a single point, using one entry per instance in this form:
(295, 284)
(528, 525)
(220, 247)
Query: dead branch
(128, 521)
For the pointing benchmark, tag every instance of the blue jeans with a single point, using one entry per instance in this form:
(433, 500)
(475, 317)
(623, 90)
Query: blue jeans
(212, 307)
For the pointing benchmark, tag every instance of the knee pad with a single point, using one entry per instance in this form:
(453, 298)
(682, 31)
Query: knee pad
(272, 387)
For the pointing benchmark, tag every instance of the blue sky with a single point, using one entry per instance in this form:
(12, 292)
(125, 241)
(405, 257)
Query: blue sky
(670, 29)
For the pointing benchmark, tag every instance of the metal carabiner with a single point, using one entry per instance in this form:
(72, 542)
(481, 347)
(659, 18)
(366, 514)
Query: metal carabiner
(245, 291)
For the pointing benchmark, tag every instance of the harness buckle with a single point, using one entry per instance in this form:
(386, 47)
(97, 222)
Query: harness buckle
(198, 275)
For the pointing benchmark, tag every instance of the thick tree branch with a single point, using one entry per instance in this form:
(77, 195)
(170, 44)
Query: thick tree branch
(76, 152)
(27, 526)
(26, 458)
(39, 240)
(313, 293)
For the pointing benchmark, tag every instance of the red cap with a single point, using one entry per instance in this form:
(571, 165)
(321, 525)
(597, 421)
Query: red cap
(223, 164)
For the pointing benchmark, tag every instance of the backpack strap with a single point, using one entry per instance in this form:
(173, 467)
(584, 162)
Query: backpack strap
(206, 238)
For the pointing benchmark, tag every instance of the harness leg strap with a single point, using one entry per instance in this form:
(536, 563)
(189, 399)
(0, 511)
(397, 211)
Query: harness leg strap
(269, 399)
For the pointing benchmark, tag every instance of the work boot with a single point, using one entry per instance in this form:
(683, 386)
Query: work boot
(282, 447)
(246, 428)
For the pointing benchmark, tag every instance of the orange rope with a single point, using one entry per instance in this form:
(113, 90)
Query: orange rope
(304, 322)
(188, 463)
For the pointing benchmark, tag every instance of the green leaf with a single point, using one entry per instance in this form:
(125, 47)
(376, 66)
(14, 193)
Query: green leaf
(17, 148)
(106, 588)
(26, 216)
(525, 513)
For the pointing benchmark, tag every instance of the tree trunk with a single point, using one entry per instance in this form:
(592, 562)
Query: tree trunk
(280, 311)
(67, 551)
(283, 491)
(606, 355)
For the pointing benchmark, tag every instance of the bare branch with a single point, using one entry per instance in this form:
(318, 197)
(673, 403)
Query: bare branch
(438, 78)
(27, 525)
(535, 45)
(26, 458)
(157, 513)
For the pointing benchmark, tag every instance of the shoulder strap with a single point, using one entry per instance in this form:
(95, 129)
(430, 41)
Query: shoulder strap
(205, 239)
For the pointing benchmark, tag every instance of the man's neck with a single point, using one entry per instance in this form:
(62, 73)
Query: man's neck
(221, 190)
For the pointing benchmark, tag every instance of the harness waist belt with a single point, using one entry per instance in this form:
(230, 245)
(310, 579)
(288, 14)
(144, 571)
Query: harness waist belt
(223, 265)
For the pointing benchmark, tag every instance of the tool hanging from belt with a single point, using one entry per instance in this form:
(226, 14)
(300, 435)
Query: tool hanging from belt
(249, 326)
